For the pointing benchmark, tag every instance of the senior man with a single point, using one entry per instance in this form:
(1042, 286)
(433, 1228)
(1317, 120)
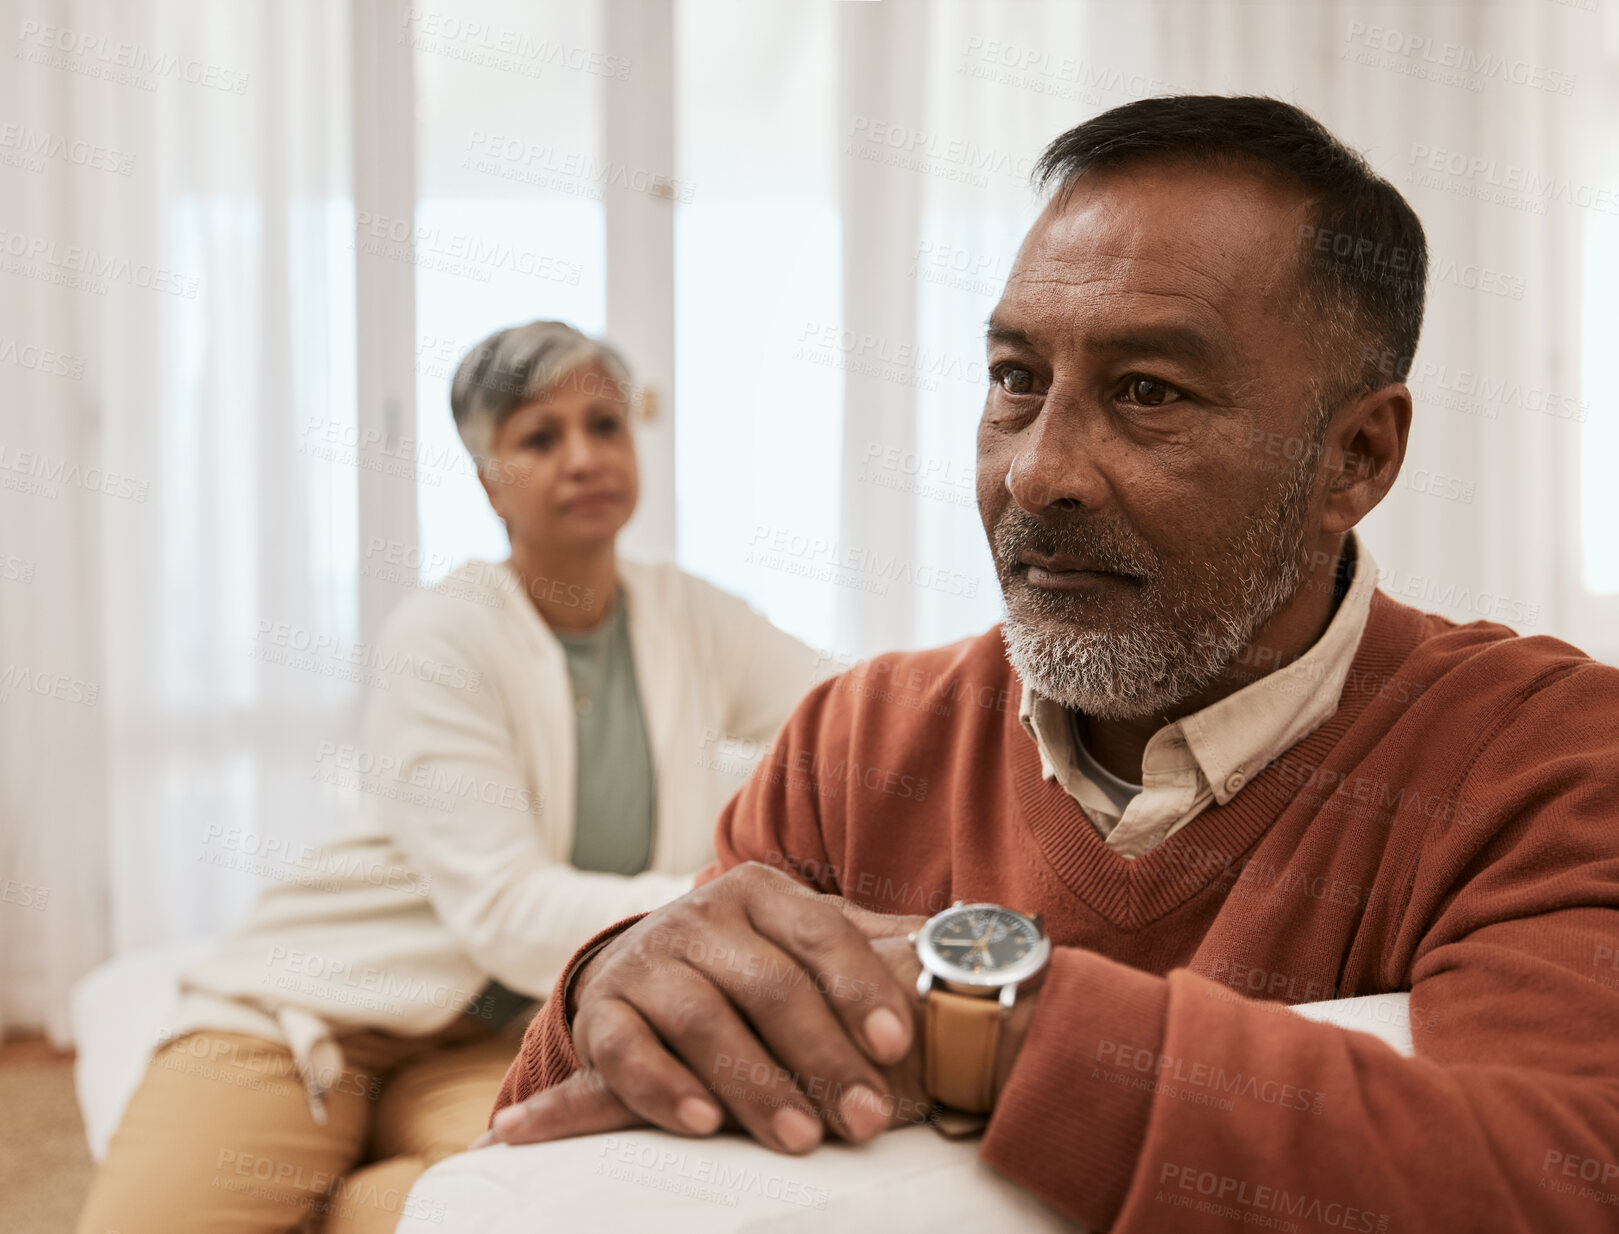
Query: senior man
(1203, 768)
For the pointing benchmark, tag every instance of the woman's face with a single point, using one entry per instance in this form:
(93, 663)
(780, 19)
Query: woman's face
(562, 469)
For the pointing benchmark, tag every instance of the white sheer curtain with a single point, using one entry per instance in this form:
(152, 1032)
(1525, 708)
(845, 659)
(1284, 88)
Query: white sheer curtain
(179, 180)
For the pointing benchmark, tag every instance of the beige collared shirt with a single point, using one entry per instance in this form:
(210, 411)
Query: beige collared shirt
(1210, 754)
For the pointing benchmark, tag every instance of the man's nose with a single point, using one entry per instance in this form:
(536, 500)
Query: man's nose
(1055, 465)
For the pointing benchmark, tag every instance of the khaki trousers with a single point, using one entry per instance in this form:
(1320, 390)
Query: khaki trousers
(219, 1135)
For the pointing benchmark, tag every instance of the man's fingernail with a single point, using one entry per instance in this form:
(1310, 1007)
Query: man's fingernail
(698, 1116)
(797, 1131)
(886, 1033)
(862, 1112)
(485, 1139)
(507, 1119)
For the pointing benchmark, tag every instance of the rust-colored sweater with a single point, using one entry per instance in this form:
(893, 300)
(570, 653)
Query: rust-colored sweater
(1452, 830)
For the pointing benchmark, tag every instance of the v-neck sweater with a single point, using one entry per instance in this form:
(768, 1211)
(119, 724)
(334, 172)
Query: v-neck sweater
(1451, 830)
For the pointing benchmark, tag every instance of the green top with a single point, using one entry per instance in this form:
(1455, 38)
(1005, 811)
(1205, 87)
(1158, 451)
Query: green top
(613, 802)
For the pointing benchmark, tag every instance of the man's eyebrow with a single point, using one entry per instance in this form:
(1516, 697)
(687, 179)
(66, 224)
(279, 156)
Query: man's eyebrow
(1165, 342)
(1168, 342)
(1000, 333)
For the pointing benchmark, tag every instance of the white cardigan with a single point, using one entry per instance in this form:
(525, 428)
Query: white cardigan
(459, 871)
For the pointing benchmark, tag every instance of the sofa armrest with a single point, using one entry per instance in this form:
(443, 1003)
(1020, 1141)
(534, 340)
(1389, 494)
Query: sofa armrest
(1385, 1016)
(910, 1181)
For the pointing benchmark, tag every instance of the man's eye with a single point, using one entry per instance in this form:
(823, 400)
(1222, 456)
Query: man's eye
(1014, 380)
(540, 441)
(1149, 393)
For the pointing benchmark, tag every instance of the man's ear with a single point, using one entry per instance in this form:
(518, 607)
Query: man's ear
(1362, 454)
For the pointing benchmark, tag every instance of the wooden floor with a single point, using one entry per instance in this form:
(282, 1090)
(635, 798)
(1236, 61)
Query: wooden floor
(44, 1164)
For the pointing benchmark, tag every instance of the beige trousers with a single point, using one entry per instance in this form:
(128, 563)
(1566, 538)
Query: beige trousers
(219, 1135)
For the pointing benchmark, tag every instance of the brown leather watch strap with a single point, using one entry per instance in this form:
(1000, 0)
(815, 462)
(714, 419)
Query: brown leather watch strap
(959, 1051)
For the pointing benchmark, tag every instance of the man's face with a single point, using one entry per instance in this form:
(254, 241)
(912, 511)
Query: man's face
(1146, 339)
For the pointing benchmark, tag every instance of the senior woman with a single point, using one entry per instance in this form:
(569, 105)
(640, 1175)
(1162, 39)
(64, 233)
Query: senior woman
(557, 734)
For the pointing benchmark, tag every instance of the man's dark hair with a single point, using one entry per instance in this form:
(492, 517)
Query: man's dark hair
(1363, 257)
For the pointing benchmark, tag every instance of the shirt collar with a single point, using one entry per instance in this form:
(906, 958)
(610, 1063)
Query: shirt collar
(1234, 738)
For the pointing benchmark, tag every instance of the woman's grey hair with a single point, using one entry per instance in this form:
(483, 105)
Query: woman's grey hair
(514, 367)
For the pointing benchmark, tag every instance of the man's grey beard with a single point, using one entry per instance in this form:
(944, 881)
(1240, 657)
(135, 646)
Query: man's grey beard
(1168, 651)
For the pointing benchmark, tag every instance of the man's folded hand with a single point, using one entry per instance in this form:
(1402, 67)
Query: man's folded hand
(751, 1001)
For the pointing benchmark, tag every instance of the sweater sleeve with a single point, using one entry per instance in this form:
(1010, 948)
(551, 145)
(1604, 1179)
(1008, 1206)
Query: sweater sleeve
(547, 1056)
(1143, 1103)
(771, 819)
(464, 813)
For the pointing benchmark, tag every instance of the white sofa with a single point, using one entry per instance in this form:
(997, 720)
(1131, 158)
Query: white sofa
(118, 1011)
(642, 1180)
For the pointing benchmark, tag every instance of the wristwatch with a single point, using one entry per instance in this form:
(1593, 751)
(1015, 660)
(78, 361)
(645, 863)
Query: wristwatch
(974, 958)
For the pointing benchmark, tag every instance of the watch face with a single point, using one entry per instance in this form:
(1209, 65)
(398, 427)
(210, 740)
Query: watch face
(983, 945)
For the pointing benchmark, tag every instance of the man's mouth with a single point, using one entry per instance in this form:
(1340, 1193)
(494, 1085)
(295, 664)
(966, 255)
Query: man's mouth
(1064, 573)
